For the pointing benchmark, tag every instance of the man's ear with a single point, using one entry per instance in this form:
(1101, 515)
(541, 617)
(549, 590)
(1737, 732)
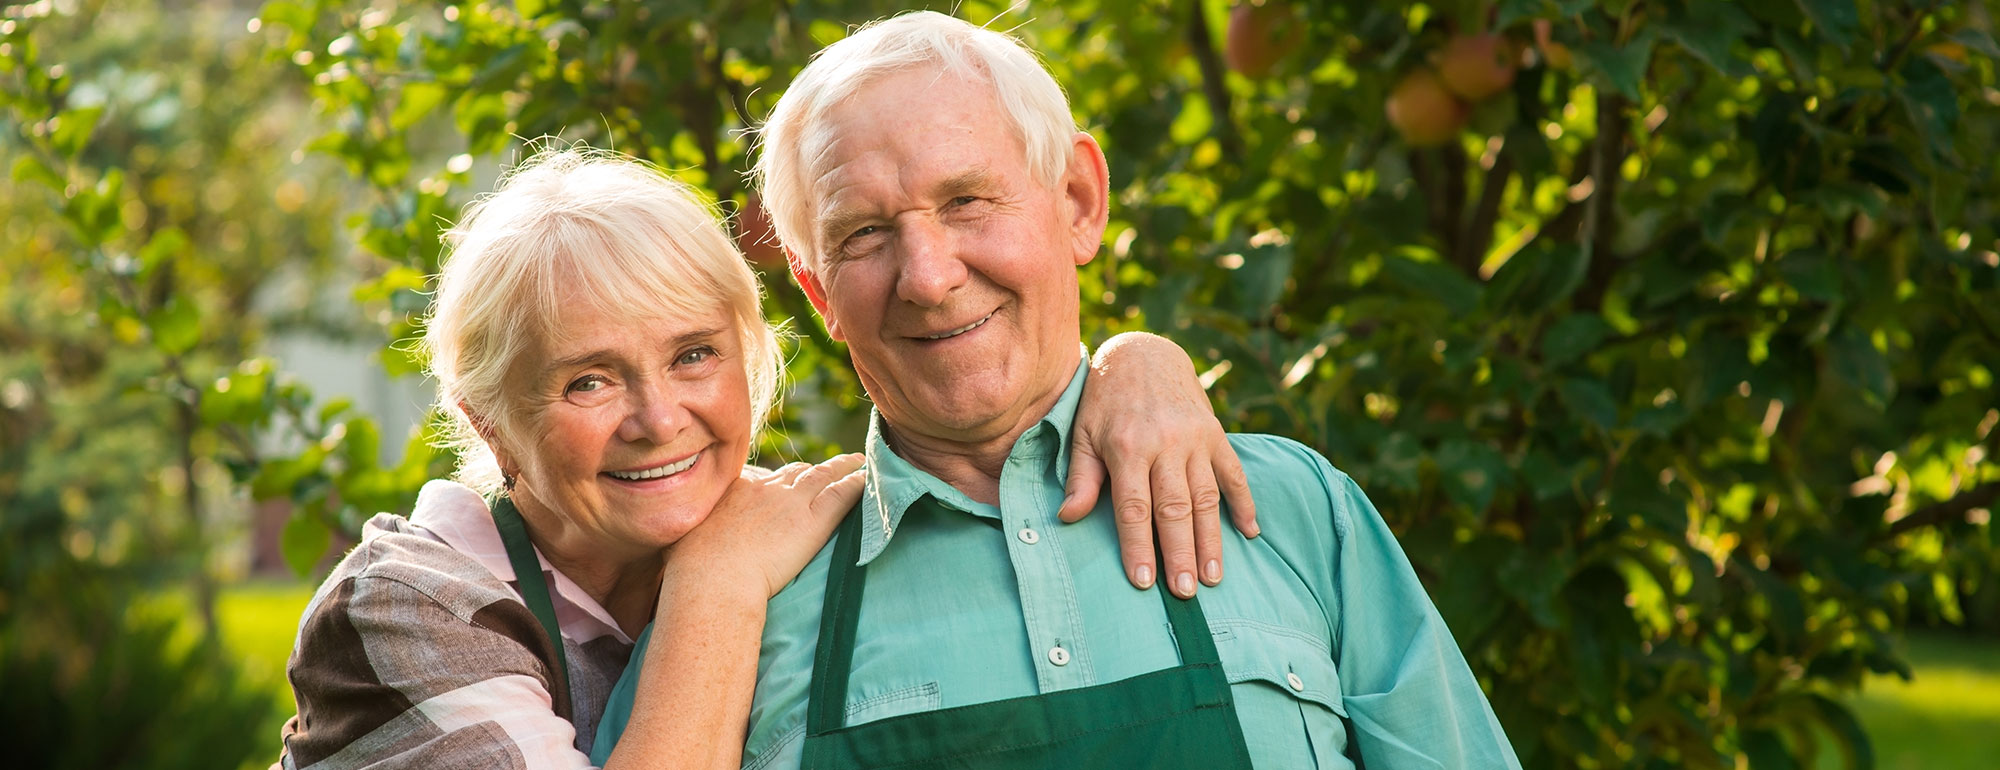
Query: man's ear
(815, 292)
(1087, 190)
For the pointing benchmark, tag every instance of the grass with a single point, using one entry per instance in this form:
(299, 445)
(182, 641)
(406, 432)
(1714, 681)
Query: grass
(1947, 718)
(258, 621)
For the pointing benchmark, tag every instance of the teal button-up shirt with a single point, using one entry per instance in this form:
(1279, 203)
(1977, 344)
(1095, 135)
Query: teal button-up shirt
(1333, 650)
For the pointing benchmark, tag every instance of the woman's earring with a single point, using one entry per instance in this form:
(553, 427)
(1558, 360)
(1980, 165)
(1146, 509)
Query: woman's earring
(507, 480)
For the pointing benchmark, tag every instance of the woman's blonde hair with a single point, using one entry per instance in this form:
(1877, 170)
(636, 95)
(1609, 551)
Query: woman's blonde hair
(574, 224)
(1035, 106)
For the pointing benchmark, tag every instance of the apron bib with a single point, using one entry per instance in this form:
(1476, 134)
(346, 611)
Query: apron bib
(1181, 718)
(534, 593)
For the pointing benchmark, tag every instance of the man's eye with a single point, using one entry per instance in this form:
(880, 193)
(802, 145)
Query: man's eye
(864, 232)
(964, 200)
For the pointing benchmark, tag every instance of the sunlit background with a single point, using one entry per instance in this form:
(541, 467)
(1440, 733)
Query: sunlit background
(1663, 333)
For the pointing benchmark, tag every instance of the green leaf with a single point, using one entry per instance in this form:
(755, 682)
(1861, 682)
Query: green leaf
(1836, 20)
(29, 167)
(1470, 472)
(1589, 400)
(417, 101)
(304, 541)
(1854, 743)
(1261, 280)
(1435, 280)
(1623, 67)
(176, 327)
(1812, 273)
(1767, 751)
(1928, 95)
(1977, 40)
(1538, 278)
(1570, 338)
(1855, 359)
(1710, 36)
(1470, 598)
(168, 243)
(73, 130)
(1534, 579)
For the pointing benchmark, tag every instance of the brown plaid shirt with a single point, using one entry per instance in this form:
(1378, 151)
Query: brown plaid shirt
(418, 652)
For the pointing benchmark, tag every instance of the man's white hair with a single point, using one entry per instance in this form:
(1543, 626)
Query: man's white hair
(574, 226)
(796, 132)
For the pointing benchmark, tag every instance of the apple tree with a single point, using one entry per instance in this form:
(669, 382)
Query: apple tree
(1662, 332)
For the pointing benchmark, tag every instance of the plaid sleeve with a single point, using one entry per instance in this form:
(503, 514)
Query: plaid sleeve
(389, 675)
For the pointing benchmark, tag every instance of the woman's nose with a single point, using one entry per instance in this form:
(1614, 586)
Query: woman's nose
(656, 416)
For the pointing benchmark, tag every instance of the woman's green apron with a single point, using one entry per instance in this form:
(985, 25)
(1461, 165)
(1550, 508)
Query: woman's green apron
(1180, 717)
(534, 592)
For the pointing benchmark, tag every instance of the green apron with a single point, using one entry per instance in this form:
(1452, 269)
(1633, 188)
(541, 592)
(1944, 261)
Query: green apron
(534, 593)
(1180, 717)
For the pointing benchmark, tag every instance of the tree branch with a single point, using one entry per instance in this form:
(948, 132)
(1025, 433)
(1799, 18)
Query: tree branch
(1946, 511)
(1478, 235)
(1203, 45)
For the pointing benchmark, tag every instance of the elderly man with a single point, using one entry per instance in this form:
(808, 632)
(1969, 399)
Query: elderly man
(937, 199)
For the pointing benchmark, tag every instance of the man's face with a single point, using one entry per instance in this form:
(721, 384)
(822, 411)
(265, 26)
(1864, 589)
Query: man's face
(948, 270)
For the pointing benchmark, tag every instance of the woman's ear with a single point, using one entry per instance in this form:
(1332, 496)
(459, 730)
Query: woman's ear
(491, 436)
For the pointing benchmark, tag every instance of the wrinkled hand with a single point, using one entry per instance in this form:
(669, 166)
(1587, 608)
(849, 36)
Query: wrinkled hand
(1145, 419)
(769, 524)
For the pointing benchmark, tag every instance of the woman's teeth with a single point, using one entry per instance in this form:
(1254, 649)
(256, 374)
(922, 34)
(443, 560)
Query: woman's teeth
(962, 329)
(655, 473)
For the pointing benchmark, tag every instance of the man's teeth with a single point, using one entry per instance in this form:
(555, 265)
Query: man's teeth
(660, 472)
(962, 329)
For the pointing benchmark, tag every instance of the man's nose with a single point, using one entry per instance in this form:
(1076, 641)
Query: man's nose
(931, 266)
(655, 415)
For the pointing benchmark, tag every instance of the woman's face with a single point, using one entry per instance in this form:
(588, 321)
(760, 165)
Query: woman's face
(633, 429)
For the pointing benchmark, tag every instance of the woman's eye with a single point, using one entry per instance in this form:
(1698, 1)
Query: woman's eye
(586, 384)
(864, 232)
(695, 356)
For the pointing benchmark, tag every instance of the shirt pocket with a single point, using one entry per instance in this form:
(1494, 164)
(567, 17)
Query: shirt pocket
(1287, 691)
(894, 703)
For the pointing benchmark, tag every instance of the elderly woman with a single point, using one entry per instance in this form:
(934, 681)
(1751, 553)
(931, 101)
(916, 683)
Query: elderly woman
(598, 344)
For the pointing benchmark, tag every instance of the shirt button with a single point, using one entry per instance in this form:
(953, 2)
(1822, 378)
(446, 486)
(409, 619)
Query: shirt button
(1029, 536)
(1298, 685)
(1058, 655)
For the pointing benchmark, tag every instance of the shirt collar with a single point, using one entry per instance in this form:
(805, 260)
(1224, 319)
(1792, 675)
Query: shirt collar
(893, 484)
(457, 516)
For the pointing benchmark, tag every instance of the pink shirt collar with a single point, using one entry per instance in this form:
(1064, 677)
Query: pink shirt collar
(457, 516)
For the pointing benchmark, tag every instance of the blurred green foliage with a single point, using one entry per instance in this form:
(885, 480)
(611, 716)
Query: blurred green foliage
(150, 222)
(1673, 371)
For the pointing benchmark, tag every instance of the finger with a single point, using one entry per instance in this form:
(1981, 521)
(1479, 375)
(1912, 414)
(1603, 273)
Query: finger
(1132, 509)
(789, 472)
(1207, 520)
(1236, 489)
(1173, 523)
(819, 476)
(839, 497)
(1086, 481)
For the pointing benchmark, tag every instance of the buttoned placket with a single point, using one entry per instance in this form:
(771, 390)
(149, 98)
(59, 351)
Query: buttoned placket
(1049, 607)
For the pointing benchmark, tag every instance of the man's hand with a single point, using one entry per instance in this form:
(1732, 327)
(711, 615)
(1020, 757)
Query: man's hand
(1145, 419)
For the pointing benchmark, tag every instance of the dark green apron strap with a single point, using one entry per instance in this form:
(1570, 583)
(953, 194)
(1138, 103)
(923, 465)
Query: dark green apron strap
(840, 616)
(1191, 631)
(528, 575)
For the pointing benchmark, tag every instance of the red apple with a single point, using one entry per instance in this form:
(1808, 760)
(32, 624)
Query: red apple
(756, 237)
(1476, 66)
(1423, 111)
(1260, 35)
